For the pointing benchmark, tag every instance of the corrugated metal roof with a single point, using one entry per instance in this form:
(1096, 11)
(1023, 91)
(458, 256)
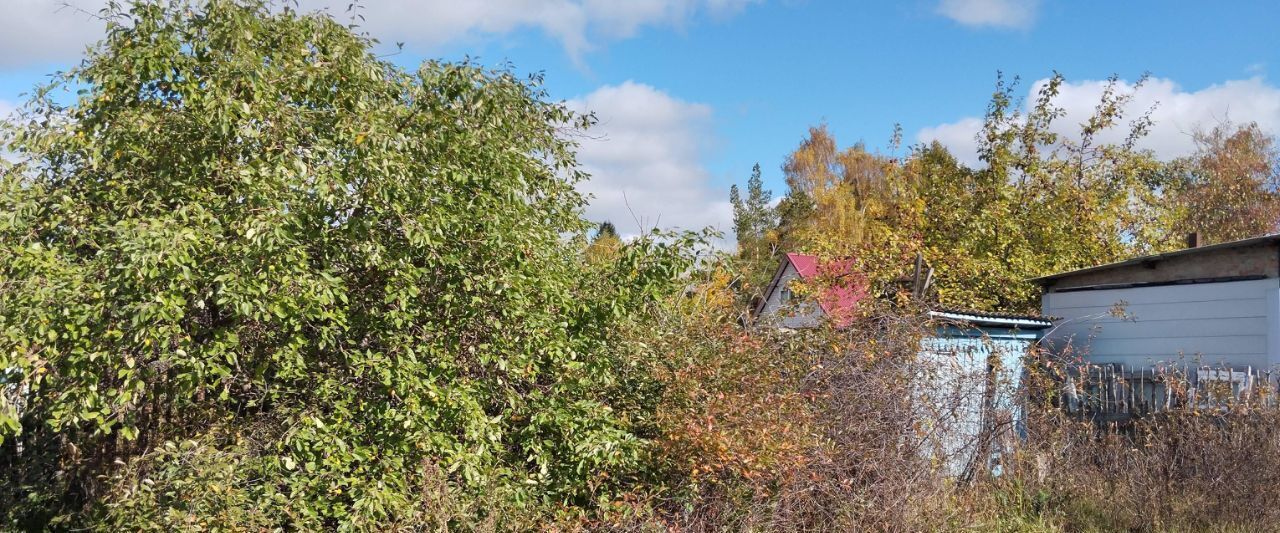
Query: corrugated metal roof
(1275, 237)
(993, 319)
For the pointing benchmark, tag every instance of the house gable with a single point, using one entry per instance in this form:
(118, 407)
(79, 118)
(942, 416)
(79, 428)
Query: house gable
(790, 313)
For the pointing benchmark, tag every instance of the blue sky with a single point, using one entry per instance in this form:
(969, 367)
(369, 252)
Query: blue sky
(691, 93)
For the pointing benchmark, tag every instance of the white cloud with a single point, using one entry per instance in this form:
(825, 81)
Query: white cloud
(579, 25)
(33, 32)
(957, 136)
(1177, 113)
(1018, 14)
(38, 31)
(645, 159)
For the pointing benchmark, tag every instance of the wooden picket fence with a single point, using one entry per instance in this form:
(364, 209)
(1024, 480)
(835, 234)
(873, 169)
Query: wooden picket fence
(1118, 391)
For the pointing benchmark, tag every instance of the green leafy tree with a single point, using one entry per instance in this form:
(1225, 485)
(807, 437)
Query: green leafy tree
(1052, 202)
(1042, 202)
(289, 284)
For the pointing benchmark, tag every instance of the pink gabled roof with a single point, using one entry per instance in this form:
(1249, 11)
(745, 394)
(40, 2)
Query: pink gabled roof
(838, 301)
(806, 265)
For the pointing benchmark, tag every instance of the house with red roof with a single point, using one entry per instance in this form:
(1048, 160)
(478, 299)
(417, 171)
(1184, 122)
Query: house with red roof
(840, 287)
(959, 390)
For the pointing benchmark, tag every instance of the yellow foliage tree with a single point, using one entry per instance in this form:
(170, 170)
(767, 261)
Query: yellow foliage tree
(1042, 202)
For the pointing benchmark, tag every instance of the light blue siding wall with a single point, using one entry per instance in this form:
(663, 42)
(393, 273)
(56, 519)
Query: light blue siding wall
(962, 372)
(1231, 323)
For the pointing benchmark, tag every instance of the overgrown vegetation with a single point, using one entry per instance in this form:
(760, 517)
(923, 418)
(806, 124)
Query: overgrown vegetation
(1038, 202)
(1185, 470)
(254, 274)
(254, 277)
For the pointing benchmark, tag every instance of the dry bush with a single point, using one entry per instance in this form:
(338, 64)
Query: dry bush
(1201, 466)
(823, 430)
(861, 459)
(734, 414)
(1182, 470)
(858, 456)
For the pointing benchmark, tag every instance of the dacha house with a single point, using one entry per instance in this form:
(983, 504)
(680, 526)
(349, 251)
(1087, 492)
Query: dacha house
(970, 363)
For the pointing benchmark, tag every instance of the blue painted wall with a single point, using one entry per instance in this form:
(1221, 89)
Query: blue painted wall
(970, 377)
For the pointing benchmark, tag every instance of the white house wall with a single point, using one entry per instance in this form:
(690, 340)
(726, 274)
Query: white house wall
(1230, 323)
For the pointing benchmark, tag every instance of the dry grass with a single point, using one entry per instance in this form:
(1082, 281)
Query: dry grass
(1185, 470)
(866, 464)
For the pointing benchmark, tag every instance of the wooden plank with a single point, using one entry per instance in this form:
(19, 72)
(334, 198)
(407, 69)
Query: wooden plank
(1133, 398)
(1111, 392)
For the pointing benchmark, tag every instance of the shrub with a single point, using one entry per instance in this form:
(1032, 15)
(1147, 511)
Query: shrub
(800, 430)
(244, 217)
(1182, 470)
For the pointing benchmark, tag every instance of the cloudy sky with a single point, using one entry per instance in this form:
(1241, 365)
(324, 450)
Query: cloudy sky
(691, 93)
